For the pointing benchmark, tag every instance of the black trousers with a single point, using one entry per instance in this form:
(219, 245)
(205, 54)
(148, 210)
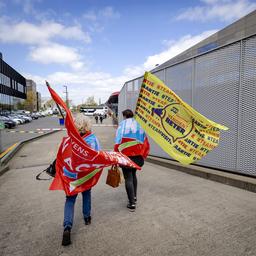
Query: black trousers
(131, 178)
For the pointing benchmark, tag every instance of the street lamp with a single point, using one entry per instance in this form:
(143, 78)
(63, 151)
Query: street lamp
(66, 92)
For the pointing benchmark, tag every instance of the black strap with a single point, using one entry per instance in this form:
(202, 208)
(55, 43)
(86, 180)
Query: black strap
(39, 174)
(50, 170)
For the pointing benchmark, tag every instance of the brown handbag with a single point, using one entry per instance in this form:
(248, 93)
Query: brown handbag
(114, 176)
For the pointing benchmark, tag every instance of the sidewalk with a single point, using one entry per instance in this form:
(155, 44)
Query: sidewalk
(177, 214)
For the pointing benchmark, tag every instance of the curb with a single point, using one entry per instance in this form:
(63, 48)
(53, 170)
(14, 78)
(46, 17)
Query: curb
(5, 159)
(235, 180)
(3, 169)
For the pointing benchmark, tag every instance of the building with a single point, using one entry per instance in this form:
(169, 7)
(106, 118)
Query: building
(31, 103)
(217, 77)
(38, 100)
(12, 87)
(112, 102)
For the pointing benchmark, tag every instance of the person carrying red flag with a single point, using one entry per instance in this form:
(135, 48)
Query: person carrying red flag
(131, 141)
(79, 163)
(83, 124)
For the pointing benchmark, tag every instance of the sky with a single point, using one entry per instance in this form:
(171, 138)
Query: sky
(93, 47)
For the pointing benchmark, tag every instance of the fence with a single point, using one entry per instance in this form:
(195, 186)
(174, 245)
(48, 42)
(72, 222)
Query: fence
(220, 84)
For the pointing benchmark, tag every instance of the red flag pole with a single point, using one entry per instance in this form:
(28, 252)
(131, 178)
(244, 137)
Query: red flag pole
(56, 103)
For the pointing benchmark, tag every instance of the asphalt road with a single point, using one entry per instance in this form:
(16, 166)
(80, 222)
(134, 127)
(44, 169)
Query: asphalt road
(27, 131)
(177, 214)
(33, 129)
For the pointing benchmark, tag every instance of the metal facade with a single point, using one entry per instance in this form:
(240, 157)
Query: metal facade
(220, 84)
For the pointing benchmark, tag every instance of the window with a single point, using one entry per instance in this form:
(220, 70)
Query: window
(20, 87)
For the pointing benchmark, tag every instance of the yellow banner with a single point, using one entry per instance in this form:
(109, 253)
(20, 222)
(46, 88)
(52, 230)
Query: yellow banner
(176, 127)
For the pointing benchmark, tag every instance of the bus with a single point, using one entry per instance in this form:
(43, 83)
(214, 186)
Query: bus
(89, 110)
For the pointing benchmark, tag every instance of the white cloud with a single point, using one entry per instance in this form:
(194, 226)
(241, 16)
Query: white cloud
(28, 33)
(98, 19)
(56, 53)
(105, 13)
(82, 84)
(41, 39)
(224, 10)
(173, 49)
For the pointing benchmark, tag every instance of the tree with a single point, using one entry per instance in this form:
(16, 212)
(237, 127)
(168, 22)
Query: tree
(49, 104)
(28, 103)
(20, 105)
(90, 101)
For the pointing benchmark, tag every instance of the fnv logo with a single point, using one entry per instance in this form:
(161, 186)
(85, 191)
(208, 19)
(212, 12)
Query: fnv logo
(175, 120)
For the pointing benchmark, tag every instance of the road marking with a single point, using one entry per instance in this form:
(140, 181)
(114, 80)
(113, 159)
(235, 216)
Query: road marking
(105, 125)
(51, 129)
(44, 130)
(8, 150)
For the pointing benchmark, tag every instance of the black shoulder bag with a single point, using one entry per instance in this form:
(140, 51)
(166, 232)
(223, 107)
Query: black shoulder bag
(51, 170)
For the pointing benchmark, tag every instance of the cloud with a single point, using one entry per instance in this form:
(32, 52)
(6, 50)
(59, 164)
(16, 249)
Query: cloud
(28, 33)
(80, 84)
(41, 37)
(173, 49)
(105, 13)
(56, 53)
(98, 19)
(224, 10)
(84, 83)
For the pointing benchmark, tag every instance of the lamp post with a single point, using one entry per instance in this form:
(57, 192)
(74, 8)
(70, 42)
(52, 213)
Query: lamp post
(66, 92)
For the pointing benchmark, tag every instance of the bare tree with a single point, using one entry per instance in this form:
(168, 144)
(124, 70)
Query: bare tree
(90, 101)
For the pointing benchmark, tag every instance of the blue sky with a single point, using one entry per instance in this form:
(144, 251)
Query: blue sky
(94, 46)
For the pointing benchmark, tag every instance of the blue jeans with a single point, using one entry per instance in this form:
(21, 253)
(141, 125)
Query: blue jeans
(69, 208)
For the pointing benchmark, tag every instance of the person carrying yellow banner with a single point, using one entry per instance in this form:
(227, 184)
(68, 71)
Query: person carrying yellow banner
(176, 127)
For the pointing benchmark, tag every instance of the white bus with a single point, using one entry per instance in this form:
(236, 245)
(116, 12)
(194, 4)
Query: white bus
(89, 111)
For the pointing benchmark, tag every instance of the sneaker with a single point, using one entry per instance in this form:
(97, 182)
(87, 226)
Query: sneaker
(132, 207)
(135, 200)
(66, 237)
(87, 220)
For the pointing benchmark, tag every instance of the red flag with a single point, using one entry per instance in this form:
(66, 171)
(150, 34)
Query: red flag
(78, 167)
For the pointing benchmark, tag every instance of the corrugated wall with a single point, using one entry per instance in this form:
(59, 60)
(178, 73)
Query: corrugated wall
(221, 85)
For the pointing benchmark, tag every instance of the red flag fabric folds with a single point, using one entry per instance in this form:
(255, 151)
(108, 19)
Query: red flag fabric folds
(78, 167)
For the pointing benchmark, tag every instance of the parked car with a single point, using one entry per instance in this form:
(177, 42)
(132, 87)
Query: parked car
(26, 118)
(39, 114)
(16, 119)
(20, 119)
(42, 114)
(7, 122)
(55, 112)
(34, 116)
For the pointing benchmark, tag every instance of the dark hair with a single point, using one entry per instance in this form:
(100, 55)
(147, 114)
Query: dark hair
(127, 113)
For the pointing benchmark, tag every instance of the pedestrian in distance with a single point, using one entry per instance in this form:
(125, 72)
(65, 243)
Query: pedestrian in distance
(96, 118)
(101, 119)
(83, 124)
(132, 141)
